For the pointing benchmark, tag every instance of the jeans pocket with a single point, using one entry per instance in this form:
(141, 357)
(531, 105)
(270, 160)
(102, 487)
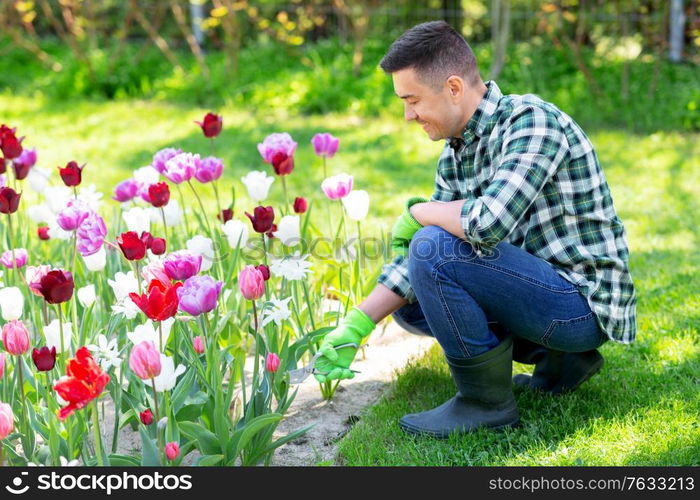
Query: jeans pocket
(574, 335)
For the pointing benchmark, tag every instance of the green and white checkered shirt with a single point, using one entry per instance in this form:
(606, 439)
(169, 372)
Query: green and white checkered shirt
(531, 178)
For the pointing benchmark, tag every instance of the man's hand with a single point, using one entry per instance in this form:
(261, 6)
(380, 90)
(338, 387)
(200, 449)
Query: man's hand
(334, 364)
(405, 227)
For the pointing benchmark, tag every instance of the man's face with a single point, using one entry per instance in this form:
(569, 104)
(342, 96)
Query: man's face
(437, 112)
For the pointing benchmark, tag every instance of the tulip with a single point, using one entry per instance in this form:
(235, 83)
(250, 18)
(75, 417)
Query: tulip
(272, 362)
(14, 258)
(43, 232)
(288, 230)
(172, 450)
(159, 194)
(6, 420)
(168, 374)
(132, 246)
(70, 218)
(9, 200)
(11, 303)
(251, 283)
(84, 382)
(160, 302)
(33, 276)
(210, 169)
(52, 332)
(338, 186)
(262, 220)
(211, 125)
(199, 294)
(325, 145)
(10, 146)
(300, 205)
(258, 185)
(125, 191)
(200, 245)
(198, 344)
(146, 416)
(236, 232)
(137, 219)
(97, 261)
(158, 246)
(276, 142)
(21, 170)
(282, 163)
(57, 286)
(26, 159)
(86, 295)
(38, 179)
(182, 264)
(44, 358)
(91, 234)
(181, 168)
(71, 174)
(162, 156)
(15, 337)
(356, 204)
(145, 360)
(265, 270)
(225, 215)
(2, 365)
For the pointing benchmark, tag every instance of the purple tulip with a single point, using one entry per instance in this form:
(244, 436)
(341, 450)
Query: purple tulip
(27, 159)
(19, 259)
(126, 190)
(182, 167)
(162, 156)
(72, 216)
(210, 169)
(338, 186)
(91, 234)
(199, 294)
(325, 145)
(275, 143)
(182, 264)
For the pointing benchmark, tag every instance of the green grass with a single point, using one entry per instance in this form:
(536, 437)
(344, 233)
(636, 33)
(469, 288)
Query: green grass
(643, 407)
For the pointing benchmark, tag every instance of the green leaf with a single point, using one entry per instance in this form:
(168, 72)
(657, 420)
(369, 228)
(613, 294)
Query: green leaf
(209, 460)
(281, 441)
(150, 456)
(242, 437)
(208, 443)
(120, 460)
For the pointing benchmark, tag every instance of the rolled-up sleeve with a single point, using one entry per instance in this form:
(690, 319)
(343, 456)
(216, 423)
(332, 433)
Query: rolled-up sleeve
(395, 277)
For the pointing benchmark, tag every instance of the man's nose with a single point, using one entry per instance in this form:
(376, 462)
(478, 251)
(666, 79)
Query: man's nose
(409, 114)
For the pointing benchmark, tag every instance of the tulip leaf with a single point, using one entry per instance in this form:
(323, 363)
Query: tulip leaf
(282, 441)
(209, 460)
(242, 437)
(150, 456)
(208, 443)
(120, 460)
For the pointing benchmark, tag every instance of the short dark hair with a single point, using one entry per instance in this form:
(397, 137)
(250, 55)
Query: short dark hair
(435, 51)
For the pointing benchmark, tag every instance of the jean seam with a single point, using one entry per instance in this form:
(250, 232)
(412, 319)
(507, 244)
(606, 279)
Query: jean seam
(510, 273)
(558, 322)
(450, 318)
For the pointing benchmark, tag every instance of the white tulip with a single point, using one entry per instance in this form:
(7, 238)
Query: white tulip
(357, 204)
(258, 184)
(38, 178)
(137, 219)
(200, 245)
(288, 230)
(150, 332)
(57, 232)
(52, 332)
(173, 214)
(146, 175)
(96, 261)
(86, 295)
(168, 374)
(123, 284)
(11, 303)
(57, 197)
(235, 230)
(40, 213)
(90, 197)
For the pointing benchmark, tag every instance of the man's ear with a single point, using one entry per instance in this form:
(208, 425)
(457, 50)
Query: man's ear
(455, 86)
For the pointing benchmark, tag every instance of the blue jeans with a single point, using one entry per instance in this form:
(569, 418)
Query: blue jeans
(470, 303)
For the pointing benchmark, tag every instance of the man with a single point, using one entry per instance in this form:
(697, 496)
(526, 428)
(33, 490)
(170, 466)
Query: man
(519, 253)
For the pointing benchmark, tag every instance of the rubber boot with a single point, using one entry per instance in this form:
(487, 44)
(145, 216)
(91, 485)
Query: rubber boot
(560, 372)
(485, 397)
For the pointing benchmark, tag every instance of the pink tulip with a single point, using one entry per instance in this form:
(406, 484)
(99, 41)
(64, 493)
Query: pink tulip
(6, 420)
(172, 450)
(2, 365)
(197, 343)
(72, 215)
(15, 337)
(210, 169)
(251, 282)
(33, 275)
(338, 186)
(182, 264)
(325, 145)
(163, 156)
(181, 168)
(126, 190)
(145, 360)
(272, 362)
(91, 234)
(26, 160)
(19, 259)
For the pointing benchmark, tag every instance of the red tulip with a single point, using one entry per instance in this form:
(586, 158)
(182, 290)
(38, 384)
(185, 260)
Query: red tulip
(43, 232)
(172, 450)
(9, 144)
(71, 174)
(146, 416)
(264, 270)
(44, 358)
(133, 247)
(85, 382)
(56, 286)
(300, 205)
(159, 194)
(157, 246)
(9, 200)
(282, 163)
(160, 302)
(272, 231)
(3, 167)
(21, 170)
(225, 215)
(272, 362)
(211, 125)
(262, 219)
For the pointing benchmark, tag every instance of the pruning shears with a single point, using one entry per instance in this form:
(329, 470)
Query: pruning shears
(301, 374)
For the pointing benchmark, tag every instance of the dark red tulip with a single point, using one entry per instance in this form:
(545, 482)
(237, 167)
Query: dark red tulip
(225, 215)
(133, 247)
(211, 125)
(21, 170)
(43, 232)
(56, 286)
(44, 358)
(3, 167)
(9, 200)
(146, 416)
(157, 246)
(271, 232)
(282, 163)
(262, 218)
(264, 270)
(159, 194)
(300, 205)
(71, 174)
(9, 144)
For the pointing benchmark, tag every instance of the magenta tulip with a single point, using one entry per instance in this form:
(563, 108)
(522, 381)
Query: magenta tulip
(251, 283)
(145, 360)
(15, 337)
(199, 294)
(325, 145)
(182, 264)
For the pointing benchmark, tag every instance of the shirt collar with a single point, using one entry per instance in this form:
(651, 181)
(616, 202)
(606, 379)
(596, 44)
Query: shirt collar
(481, 119)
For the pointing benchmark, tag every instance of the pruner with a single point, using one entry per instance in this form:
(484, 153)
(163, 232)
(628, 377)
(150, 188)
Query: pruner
(300, 374)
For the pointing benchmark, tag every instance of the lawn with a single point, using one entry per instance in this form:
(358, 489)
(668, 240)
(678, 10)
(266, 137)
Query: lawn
(642, 408)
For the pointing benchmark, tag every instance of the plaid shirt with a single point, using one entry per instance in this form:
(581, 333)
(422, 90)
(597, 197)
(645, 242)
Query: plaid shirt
(531, 178)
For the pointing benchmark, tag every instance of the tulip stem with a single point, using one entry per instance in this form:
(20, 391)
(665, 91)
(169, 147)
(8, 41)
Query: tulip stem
(201, 207)
(165, 226)
(160, 335)
(15, 271)
(324, 167)
(218, 202)
(286, 197)
(184, 212)
(255, 315)
(155, 398)
(60, 329)
(98, 437)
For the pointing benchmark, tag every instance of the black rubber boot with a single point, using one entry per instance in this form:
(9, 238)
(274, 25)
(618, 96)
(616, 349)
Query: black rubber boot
(561, 372)
(485, 397)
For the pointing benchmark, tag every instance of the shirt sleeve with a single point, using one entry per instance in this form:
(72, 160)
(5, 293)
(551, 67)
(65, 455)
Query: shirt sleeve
(534, 145)
(444, 177)
(395, 277)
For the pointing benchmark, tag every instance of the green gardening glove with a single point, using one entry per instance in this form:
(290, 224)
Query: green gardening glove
(405, 227)
(334, 364)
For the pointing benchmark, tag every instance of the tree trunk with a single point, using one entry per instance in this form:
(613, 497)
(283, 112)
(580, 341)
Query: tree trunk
(500, 30)
(181, 20)
(677, 29)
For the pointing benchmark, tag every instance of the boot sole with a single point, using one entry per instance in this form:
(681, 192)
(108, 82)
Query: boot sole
(441, 435)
